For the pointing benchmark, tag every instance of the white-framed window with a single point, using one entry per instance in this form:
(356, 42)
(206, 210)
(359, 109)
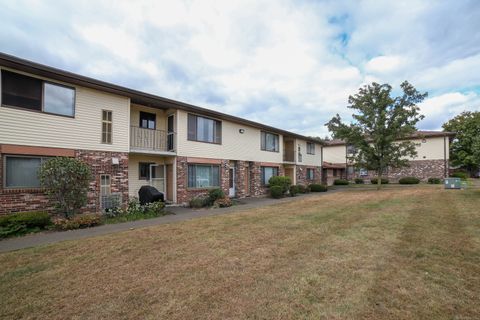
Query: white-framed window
(31, 93)
(204, 129)
(363, 172)
(203, 176)
(310, 174)
(269, 141)
(105, 185)
(107, 123)
(267, 173)
(310, 148)
(22, 171)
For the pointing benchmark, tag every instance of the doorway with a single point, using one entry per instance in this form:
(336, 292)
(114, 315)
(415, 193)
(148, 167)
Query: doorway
(231, 182)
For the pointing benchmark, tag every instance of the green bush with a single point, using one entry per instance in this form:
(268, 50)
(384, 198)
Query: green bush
(294, 190)
(459, 174)
(283, 182)
(215, 194)
(154, 208)
(303, 188)
(199, 202)
(434, 180)
(375, 180)
(318, 188)
(223, 203)
(409, 180)
(23, 222)
(359, 181)
(78, 222)
(276, 192)
(66, 181)
(340, 182)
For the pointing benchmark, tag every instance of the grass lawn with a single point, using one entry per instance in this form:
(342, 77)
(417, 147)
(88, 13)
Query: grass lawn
(400, 253)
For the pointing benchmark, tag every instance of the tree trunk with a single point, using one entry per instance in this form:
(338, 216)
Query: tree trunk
(379, 179)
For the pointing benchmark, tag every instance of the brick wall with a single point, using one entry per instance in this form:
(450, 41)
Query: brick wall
(301, 175)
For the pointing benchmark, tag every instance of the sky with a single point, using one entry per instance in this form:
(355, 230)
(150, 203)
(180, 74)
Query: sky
(288, 64)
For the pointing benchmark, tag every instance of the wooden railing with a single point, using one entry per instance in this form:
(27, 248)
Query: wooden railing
(149, 139)
(289, 155)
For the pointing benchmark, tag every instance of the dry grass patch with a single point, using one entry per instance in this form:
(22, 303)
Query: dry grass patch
(401, 254)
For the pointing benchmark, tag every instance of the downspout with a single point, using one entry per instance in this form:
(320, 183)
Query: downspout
(445, 173)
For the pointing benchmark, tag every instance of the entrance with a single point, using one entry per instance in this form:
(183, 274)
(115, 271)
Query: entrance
(231, 190)
(157, 177)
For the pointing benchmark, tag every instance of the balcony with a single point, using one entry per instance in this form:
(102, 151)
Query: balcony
(288, 155)
(151, 141)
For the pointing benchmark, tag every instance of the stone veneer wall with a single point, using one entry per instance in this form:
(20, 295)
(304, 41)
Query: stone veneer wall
(18, 200)
(421, 169)
(301, 175)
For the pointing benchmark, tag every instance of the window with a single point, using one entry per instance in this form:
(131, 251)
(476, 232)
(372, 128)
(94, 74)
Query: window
(144, 170)
(22, 172)
(310, 174)
(35, 94)
(148, 120)
(269, 141)
(351, 149)
(203, 176)
(106, 126)
(310, 148)
(105, 185)
(204, 129)
(334, 172)
(363, 172)
(267, 173)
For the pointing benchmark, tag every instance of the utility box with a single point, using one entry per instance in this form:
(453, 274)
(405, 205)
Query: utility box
(453, 183)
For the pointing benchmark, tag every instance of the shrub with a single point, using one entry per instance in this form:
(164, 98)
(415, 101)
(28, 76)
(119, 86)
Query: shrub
(276, 192)
(199, 202)
(215, 194)
(375, 181)
(409, 180)
(318, 188)
(66, 181)
(283, 182)
(294, 190)
(303, 188)
(434, 180)
(459, 174)
(223, 203)
(359, 181)
(340, 182)
(134, 206)
(154, 208)
(78, 222)
(23, 222)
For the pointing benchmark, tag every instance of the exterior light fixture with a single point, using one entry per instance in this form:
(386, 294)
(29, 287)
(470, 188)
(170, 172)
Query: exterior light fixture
(241, 131)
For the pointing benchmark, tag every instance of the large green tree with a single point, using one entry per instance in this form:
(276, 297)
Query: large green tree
(465, 148)
(380, 127)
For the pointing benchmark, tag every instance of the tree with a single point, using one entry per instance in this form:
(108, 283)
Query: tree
(66, 181)
(381, 126)
(465, 148)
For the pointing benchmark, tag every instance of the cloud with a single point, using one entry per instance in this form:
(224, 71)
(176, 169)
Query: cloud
(285, 63)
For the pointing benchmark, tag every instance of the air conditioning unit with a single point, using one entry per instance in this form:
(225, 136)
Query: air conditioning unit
(111, 201)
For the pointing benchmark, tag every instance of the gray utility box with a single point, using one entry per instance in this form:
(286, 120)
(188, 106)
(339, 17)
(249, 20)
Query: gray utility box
(453, 183)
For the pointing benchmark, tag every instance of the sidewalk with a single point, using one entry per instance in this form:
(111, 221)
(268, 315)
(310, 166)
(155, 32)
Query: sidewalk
(180, 214)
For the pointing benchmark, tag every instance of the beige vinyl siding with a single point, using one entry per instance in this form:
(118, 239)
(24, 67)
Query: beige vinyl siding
(24, 127)
(161, 116)
(334, 154)
(234, 146)
(134, 183)
(309, 159)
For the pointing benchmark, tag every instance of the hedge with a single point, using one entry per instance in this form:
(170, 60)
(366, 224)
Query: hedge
(340, 182)
(318, 188)
(375, 181)
(409, 180)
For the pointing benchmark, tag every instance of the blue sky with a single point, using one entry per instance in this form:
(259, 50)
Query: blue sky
(290, 64)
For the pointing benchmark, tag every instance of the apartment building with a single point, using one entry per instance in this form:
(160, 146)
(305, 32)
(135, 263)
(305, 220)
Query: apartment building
(130, 139)
(431, 161)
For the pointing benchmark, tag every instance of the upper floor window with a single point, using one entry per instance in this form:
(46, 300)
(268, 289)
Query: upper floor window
(269, 141)
(107, 126)
(34, 94)
(310, 148)
(22, 172)
(204, 129)
(351, 149)
(300, 156)
(148, 120)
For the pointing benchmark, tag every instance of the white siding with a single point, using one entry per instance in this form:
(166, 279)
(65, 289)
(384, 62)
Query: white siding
(31, 128)
(134, 183)
(334, 154)
(235, 145)
(309, 159)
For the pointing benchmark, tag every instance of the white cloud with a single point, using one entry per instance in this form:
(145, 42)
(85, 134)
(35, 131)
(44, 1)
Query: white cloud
(384, 64)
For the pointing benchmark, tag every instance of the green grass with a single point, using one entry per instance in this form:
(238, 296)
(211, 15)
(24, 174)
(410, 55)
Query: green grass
(133, 217)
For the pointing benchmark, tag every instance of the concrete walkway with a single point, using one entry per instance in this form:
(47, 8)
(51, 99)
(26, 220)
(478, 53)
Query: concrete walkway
(180, 214)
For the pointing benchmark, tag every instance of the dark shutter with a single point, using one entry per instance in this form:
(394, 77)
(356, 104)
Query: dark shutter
(192, 127)
(218, 132)
(262, 140)
(21, 91)
(277, 142)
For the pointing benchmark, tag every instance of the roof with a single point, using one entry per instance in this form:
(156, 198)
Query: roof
(418, 134)
(137, 97)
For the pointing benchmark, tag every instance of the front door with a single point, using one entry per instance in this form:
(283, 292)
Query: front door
(157, 177)
(231, 190)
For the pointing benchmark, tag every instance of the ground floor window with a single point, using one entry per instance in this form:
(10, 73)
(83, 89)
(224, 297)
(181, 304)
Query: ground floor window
(310, 174)
(22, 171)
(203, 176)
(363, 172)
(144, 170)
(267, 173)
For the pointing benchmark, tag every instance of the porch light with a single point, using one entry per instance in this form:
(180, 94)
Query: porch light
(241, 131)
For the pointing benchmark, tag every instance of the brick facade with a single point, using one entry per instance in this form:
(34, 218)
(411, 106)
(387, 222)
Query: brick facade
(301, 175)
(100, 162)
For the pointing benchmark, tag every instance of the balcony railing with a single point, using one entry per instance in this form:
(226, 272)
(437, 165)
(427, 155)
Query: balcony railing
(288, 155)
(150, 139)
